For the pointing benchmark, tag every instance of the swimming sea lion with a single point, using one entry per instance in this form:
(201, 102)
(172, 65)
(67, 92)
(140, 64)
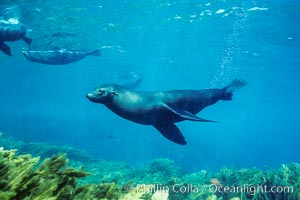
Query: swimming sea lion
(162, 109)
(11, 30)
(58, 49)
(59, 56)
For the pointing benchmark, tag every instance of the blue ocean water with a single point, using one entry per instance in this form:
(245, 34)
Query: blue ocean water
(174, 45)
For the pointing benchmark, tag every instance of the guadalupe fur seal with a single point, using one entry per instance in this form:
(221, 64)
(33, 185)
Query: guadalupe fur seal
(162, 109)
(58, 49)
(11, 30)
(60, 56)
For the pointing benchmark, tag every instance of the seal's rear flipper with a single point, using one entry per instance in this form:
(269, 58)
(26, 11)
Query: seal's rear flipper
(5, 48)
(186, 114)
(27, 40)
(95, 53)
(232, 87)
(171, 132)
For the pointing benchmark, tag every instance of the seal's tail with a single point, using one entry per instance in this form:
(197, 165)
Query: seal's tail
(232, 87)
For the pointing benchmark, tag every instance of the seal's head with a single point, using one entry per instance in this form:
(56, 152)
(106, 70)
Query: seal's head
(103, 94)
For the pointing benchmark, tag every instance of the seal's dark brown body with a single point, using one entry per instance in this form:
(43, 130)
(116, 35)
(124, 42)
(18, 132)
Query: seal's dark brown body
(161, 109)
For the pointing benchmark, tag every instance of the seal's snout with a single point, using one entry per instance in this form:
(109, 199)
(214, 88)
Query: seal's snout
(89, 96)
(92, 97)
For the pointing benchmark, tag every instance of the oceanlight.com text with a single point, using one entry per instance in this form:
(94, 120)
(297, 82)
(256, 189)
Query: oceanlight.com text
(253, 189)
(194, 188)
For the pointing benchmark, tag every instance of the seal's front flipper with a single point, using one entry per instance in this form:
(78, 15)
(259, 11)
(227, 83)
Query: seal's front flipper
(186, 114)
(5, 48)
(171, 132)
(27, 40)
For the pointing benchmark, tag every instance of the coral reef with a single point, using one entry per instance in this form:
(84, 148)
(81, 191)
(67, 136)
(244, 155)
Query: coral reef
(27, 177)
(21, 180)
(159, 171)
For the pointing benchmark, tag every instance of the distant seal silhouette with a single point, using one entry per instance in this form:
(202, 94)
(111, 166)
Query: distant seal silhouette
(11, 30)
(59, 56)
(162, 109)
(58, 49)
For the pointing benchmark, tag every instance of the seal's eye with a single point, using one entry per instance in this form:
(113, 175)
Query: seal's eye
(100, 91)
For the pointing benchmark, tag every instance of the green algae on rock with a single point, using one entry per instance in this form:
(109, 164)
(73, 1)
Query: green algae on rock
(21, 179)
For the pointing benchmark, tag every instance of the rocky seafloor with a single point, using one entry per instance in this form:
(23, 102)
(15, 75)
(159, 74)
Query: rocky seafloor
(48, 172)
